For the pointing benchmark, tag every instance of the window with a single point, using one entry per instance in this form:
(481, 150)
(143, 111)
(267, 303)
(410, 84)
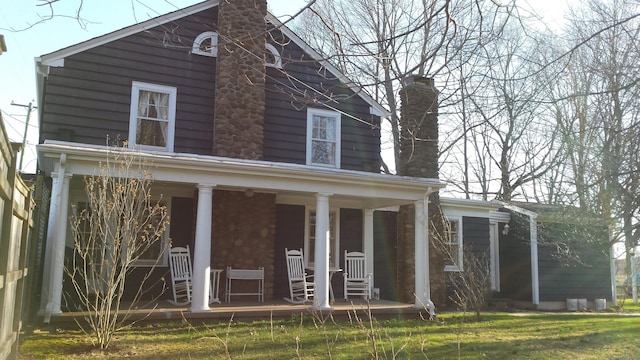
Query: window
(310, 238)
(323, 138)
(272, 57)
(95, 244)
(453, 245)
(206, 44)
(152, 118)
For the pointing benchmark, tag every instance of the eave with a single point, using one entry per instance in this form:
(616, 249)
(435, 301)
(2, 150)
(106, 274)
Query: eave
(293, 183)
(473, 208)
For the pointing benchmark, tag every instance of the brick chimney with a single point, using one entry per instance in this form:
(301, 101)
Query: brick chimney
(419, 158)
(240, 79)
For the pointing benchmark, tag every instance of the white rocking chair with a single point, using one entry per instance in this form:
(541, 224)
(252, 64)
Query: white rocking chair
(181, 281)
(301, 289)
(181, 278)
(357, 282)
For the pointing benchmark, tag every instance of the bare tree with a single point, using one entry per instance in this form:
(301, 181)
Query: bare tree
(379, 43)
(117, 226)
(597, 104)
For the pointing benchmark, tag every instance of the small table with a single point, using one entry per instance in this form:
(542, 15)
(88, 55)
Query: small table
(332, 271)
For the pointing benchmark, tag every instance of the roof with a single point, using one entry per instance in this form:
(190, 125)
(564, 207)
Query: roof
(293, 183)
(57, 58)
(474, 208)
(559, 213)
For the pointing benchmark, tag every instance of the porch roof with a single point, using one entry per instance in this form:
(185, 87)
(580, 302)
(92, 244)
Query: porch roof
(292, 183)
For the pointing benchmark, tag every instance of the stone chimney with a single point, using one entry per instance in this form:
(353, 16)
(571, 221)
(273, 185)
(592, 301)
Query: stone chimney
(240, 79)
(419, 158)
(419, 128)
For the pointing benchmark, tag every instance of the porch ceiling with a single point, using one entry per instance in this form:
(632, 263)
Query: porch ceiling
(292, 183)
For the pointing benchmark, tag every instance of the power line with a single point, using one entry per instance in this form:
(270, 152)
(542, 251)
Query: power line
(29, 108)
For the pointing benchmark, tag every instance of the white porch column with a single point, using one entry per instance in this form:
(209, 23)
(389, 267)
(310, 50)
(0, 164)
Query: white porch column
(55, 245)
(202, 251)
(321, 261)
(54, 206)
(535, 284)
(367, 233)
(423, 291)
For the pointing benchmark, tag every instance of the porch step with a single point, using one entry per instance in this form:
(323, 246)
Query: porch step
(250, 311)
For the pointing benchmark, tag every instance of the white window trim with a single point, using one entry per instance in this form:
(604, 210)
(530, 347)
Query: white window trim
(307, 241)
(460, 259)
(136, 86)
(213, 52)
(322, 112)
(276, 56)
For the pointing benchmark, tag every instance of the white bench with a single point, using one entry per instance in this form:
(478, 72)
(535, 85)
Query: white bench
(243, 274)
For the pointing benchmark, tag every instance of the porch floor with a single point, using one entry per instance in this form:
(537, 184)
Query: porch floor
(253, 310)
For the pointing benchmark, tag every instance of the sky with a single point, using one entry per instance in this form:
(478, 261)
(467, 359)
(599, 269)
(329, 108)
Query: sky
(29, 33)
(27, 37)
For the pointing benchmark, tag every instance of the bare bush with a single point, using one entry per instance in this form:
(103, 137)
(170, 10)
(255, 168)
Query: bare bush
(118, 226)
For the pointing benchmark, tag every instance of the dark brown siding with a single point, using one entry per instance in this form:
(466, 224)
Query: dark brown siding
(584, 274)
(89, 98)
(515, 260)
(475, 232)
(286, 113)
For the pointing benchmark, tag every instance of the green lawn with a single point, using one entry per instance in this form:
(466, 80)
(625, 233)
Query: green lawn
(498, 336)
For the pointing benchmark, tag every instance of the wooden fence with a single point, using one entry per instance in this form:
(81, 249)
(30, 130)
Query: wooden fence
(16, 206)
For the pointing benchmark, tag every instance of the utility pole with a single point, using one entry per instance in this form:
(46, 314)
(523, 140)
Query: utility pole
(29, 108)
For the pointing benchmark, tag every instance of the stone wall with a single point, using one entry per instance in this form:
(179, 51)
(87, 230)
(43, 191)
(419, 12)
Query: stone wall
(244, 236)
(240, 79)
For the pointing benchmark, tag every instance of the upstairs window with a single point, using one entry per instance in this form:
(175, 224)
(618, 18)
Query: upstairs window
(453, 245)
(323, 138)
(206, 44)
(272, 57)
(152, 119)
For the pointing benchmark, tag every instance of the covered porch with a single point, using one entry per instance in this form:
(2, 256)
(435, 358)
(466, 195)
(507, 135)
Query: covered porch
(217, 185)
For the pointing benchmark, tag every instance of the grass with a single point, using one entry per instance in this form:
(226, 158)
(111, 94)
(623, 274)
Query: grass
(626, 305)
(498, 336)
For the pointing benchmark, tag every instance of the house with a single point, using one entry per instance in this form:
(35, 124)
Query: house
(257, 143)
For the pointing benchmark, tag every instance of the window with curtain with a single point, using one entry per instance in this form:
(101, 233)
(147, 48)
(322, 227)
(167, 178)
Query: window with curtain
(323, 138)
(152, 120)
